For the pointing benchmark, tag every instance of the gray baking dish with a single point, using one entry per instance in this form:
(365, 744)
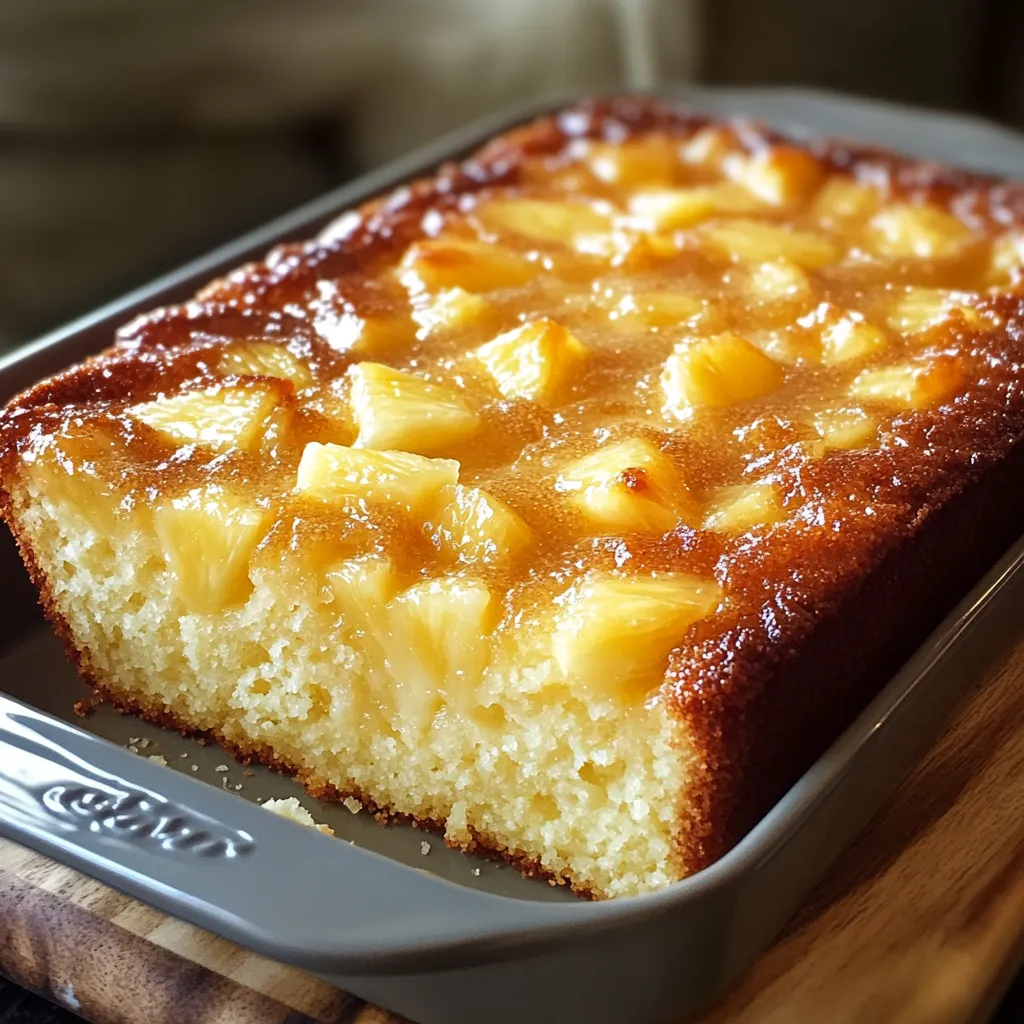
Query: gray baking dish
(397, 918)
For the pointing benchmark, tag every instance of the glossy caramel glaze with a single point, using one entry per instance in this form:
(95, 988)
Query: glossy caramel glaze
(837, 513)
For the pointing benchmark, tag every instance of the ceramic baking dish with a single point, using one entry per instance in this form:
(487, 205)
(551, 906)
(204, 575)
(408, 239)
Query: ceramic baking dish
(393, 915)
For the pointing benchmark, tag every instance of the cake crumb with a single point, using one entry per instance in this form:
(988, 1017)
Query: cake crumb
(183, 754)
(195, 767)
(292, 809)
(133, 739)
(248, 773)
(158, 759)
(352, 804)
(475, 872)
(424, 848)
(134, 749)
(143, 743)
(221, 768)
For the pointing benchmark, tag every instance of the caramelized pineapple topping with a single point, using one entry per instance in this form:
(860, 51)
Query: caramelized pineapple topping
(652, 161)
(759, 242)
(846, 336)
(628, 486)
(221, 417)
(667, 209)
(333, 472)
(779, 175)
(777, 280)
(556, 401)
(534, 361)
(845, 428)
(910, 385)
(453, 309)
(737, 509)
(918, 310)
(395, 409)
(472, 525)
(719, 371)
(568, 224)
(614, 634)
(437, 264)
(917, 231)
(264, 359)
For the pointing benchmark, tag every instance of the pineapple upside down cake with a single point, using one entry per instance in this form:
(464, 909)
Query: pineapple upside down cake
(570, 501)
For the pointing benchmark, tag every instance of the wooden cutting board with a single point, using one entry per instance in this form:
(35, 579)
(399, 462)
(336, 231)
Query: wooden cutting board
(921, 922)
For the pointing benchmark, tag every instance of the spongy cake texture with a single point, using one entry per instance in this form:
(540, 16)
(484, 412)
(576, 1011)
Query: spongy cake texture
(558, 783)
(570, 501)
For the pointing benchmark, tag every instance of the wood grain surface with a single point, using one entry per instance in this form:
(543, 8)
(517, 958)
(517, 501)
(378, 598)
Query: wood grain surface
(922, 921)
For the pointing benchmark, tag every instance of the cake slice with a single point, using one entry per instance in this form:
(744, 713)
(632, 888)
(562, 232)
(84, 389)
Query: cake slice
(569, 502)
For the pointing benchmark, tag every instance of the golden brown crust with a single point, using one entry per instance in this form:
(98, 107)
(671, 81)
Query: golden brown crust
(745, 683)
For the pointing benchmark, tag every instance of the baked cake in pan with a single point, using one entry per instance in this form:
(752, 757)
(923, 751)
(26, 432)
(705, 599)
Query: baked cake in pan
(570, 501)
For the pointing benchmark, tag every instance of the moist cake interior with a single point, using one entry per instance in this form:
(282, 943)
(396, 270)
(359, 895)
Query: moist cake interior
(471, 507)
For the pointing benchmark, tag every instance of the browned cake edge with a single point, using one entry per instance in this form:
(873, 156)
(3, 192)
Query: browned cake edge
(771, 708)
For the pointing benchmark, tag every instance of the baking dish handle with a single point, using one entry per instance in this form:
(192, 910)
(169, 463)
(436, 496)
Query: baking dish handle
(227, 865)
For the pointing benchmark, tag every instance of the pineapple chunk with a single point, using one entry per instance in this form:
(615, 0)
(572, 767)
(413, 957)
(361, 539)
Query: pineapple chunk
(649, 161)
(749, 240)
(639, 249)
(844, 429)
(777, 280)
(395, 409)
(628, 486)
(843, 199)
(738, 509)
(614, 635)
(920, 309)
(440, 631)
(657, 309)
(208, 537)
(88, 503)
(625, 246)
(435, 264)
(791, 345)
(671, 208)
(333, 472)
(710, 147)
(902, 231)
(722, 370)
(547, 221)
(850, 337)
(453, 309)
(780, 175)
(910, 385)
(472, 525)
(362, 588)
(264, 359)
(221, 416)
(533, 361)
(348, 331)
(1007, 257)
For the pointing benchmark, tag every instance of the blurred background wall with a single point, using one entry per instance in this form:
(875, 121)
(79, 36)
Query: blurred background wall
(134, 135)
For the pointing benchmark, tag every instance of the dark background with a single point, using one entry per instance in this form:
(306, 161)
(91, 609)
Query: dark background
(134, 135)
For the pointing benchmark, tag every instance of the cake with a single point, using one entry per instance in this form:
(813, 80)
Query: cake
(570, 501)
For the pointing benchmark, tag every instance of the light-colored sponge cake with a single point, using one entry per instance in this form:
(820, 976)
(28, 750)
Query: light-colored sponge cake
(570, 501)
